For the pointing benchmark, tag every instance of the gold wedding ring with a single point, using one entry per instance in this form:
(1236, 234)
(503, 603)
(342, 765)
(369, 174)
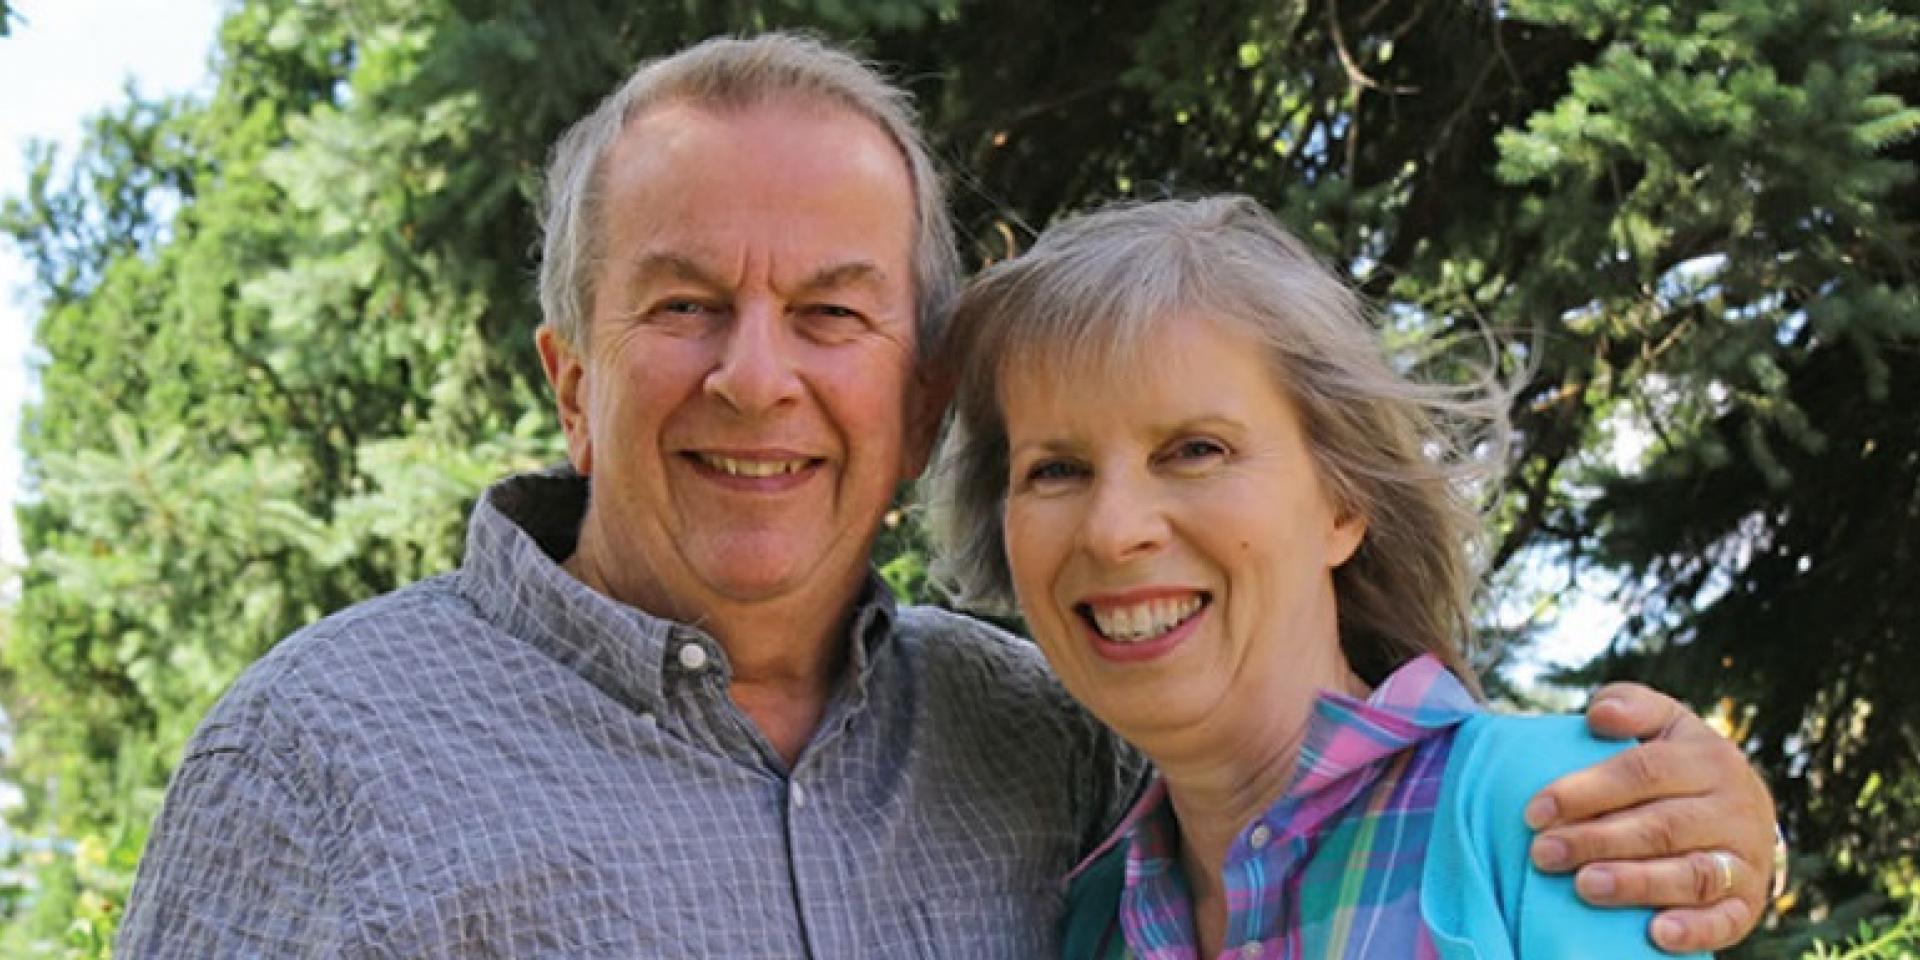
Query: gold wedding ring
(1723, 863)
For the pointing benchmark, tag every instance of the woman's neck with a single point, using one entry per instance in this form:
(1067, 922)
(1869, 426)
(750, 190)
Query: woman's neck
(1224, 774)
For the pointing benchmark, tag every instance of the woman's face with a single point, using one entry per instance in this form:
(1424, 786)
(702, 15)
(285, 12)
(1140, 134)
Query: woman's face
(1171, 544)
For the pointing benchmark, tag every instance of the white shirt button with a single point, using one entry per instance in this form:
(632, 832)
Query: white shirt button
(693, 656)
(1260, 837)
(1250, 950)
(797, 795)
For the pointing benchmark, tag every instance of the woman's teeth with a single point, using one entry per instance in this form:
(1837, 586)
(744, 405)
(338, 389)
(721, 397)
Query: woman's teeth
(1135, 622)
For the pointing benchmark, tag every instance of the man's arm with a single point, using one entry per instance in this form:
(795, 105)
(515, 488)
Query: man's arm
(232, 869)
(1643, 827)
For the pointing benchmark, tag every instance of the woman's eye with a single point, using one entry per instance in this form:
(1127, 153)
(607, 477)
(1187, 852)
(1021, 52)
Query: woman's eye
(1196, 449)
(1053, 471)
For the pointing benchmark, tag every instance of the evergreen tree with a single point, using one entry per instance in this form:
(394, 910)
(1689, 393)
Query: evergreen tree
(288, 328)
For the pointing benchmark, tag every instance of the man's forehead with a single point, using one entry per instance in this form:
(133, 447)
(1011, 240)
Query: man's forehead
(677, 117)
(708, 267)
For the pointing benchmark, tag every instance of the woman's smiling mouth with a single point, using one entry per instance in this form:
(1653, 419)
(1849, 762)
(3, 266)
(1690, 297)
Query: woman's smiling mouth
(1141, 620)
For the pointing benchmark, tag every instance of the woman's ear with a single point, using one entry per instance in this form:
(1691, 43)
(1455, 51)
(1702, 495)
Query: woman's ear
(1349, 530)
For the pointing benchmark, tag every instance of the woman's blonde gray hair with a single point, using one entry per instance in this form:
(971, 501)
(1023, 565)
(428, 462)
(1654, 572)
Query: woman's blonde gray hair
(734, 73)
(1405, 456)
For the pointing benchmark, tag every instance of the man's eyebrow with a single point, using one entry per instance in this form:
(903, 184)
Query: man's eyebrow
(671, 266)
(850, 273)
(663, 265)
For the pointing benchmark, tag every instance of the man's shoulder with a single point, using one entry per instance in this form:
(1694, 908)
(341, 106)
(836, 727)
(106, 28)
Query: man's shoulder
(987, 675)
(368, 634)
(957, 642)
(990, 696)
(372, 641)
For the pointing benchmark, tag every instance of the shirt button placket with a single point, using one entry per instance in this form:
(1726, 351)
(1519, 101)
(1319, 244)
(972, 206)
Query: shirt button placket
(819, 891)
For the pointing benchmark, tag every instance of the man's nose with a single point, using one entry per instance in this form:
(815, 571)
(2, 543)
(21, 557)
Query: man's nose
(754, 371)
(1126, 519)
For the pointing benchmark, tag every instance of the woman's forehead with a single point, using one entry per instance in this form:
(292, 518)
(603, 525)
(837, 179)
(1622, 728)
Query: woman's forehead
(1187, 347)
(1112, 345)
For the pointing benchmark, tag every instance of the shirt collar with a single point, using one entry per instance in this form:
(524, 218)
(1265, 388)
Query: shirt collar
(520, 532)
(1415, 702)
(1344, 734)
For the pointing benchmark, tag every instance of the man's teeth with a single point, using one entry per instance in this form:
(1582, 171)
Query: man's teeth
(752, 468)
(1144, 621)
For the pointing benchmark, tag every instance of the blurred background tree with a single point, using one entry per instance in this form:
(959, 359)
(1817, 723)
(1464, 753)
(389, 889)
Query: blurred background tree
(288, 337)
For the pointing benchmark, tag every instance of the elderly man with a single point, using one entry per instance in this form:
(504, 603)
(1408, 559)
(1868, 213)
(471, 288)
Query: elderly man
(664, 708)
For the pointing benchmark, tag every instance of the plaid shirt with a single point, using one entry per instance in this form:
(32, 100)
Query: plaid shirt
(1333, 868)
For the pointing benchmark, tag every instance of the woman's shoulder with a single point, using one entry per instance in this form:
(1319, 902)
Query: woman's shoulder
(1093, 901)
(1499, 761)
(1482, 897)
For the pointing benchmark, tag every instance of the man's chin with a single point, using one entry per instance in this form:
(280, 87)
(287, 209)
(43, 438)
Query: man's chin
(774, 584)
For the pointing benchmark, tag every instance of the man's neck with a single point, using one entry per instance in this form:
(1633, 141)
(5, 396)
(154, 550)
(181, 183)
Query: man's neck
(785, 657)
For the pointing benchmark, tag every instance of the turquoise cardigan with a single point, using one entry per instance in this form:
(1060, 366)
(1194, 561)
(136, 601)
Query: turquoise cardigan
(1479, 894)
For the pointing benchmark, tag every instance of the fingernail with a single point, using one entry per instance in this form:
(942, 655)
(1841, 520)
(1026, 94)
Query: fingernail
(1549, 852)
(1667, 932)
(1541, 811)
(1597, 882)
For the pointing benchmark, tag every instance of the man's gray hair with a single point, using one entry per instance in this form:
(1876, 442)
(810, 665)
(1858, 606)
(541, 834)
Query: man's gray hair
(733, 73)
(1400, 454)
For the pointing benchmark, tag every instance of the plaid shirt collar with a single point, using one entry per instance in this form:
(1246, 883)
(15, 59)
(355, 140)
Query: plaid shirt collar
(1350, 744)
(521, 531)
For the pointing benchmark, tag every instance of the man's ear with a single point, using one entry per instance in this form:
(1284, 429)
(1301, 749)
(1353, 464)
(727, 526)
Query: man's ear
(927, 399)
(567, 374)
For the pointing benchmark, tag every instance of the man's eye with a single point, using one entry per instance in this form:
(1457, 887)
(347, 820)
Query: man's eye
(683, 316)
(833, 315)
(681, 308)
(831, 323)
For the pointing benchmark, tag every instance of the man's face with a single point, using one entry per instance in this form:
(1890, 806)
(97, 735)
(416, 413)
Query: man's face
(743, 406)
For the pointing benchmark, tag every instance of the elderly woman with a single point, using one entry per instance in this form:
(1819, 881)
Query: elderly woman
(1243, 541)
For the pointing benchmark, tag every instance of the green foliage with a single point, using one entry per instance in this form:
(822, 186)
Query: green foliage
(1897, 939)
(1758, 162)
(288, 329)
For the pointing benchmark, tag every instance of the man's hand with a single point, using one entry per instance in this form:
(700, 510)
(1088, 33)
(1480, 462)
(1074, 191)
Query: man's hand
(1654, 826)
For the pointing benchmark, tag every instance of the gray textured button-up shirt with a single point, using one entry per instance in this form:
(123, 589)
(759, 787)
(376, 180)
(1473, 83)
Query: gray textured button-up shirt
(500, 762)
